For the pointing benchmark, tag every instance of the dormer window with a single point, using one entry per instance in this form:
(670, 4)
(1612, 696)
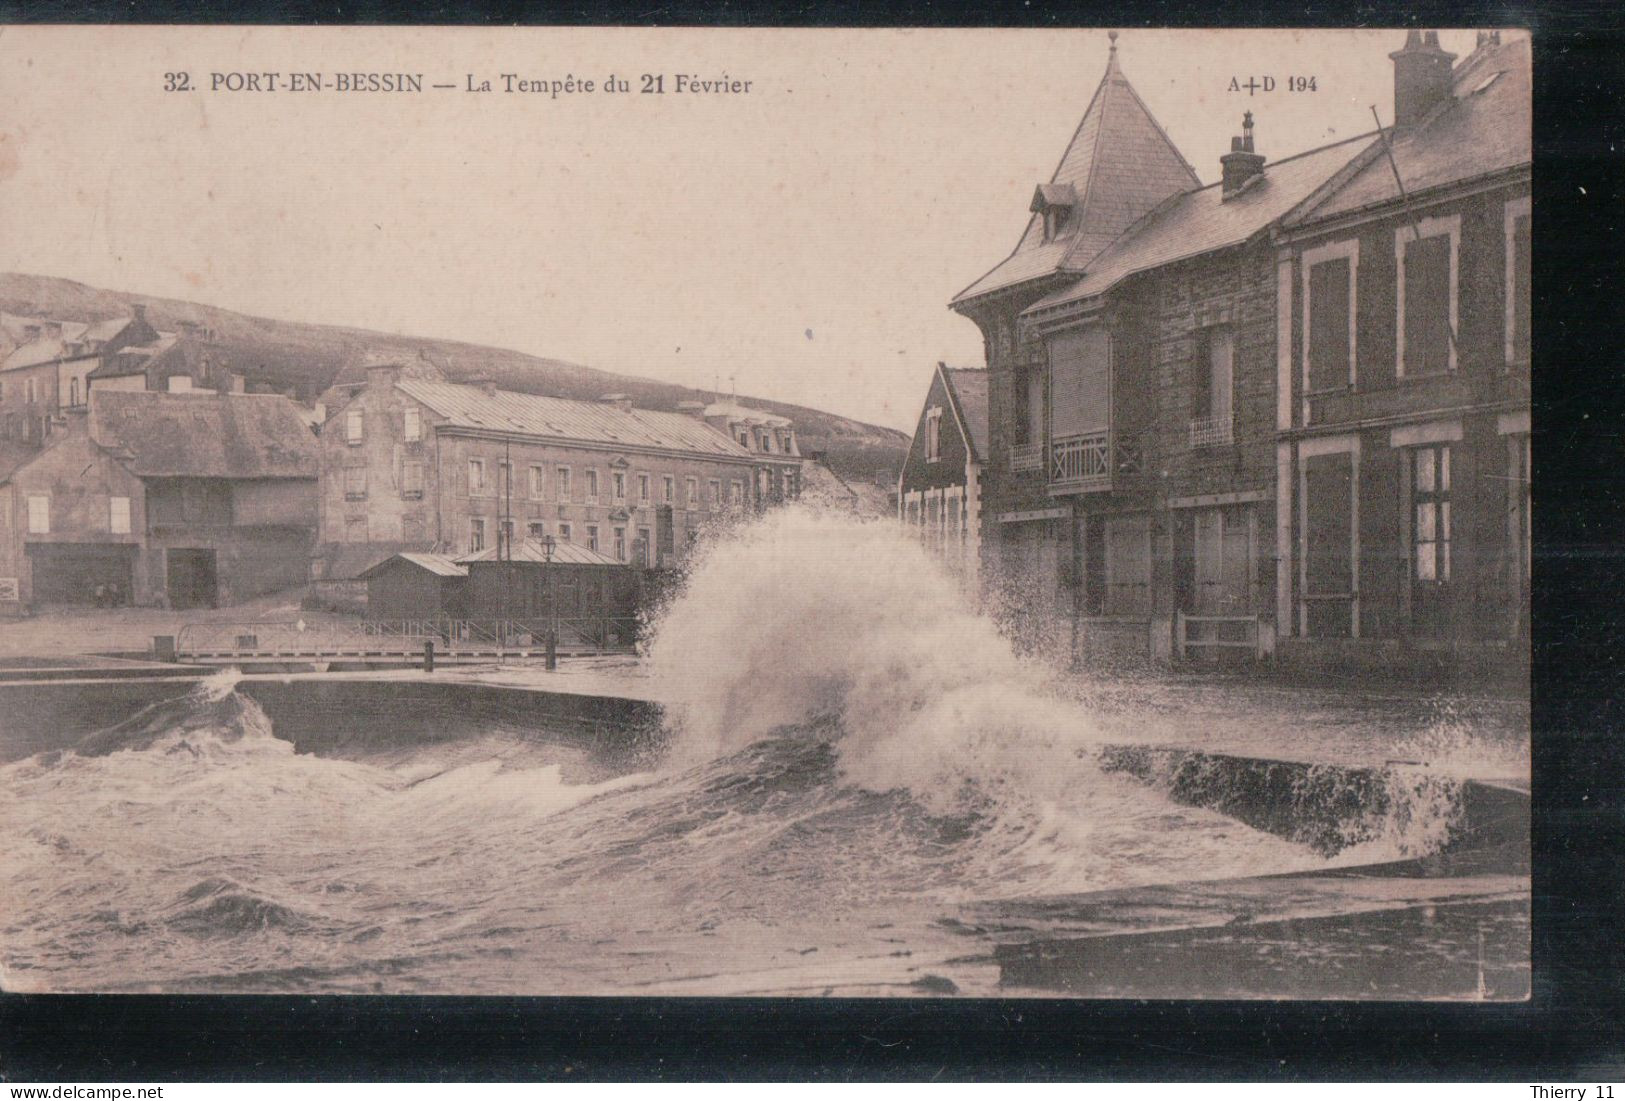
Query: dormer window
(1054, 203)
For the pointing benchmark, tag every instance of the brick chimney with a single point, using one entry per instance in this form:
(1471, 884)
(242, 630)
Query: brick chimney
(1421, 77)
(1242, 167)
(486, 386)
(382, 376)
(619, 401)
(138, 310)
(694, 409)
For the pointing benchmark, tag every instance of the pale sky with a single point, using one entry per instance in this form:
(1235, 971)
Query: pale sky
(803, 239)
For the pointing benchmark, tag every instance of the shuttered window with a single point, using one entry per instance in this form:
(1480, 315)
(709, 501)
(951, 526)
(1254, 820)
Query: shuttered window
(1080, 383)
(1427, 305)
(118, 518)
(39, 515)
(1329, 324)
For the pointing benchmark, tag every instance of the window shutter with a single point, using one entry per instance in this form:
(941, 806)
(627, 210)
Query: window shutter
(1329, 325)
(1427, 306)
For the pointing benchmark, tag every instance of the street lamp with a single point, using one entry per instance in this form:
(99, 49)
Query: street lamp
(548, 543)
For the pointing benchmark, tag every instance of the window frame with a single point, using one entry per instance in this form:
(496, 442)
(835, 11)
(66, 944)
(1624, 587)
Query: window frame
(476, 534)
(43, 527)
(1515, 209)
(476, 487)
(113, 524)
(411, 424)
(355, 427)
(1337, 250)
(561, 481)
(1448, 225)
(933, 434)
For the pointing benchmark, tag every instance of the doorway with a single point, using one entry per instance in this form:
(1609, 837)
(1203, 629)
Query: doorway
(191, 578)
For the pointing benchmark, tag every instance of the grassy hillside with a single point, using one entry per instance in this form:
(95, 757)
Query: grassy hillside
(297, 356)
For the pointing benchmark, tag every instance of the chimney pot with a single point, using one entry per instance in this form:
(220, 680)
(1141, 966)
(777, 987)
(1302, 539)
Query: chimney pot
(620, 401)
(1241, 166)
(138, 310)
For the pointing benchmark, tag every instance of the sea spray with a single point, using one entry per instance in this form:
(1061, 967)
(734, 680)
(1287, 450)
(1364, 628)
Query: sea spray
(802, 617)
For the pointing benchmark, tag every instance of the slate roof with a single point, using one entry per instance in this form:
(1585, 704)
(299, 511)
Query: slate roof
(968, 389)
(531, 551)
(1486, 130)
(593, 422)
(1119, 164)
(133, 359)
(1202, 220)
(204, 435)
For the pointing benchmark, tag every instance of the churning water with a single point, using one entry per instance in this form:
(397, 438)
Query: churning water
(850, 756)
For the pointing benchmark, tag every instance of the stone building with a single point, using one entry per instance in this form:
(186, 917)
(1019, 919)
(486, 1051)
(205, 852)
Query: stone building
(181, 500)
(1138, 343)
(939, 489)
(1404, 405)
(415, 464)
(48, 372)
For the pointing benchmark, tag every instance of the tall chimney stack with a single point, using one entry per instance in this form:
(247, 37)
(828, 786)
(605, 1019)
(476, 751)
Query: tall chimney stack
(1421, 77)
(1241, 165)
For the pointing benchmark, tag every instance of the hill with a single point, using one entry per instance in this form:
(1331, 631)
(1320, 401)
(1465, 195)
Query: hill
(306, 358)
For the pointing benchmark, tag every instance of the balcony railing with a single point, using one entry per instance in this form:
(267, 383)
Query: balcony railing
(1027, 457)
(1211, 432)
(1082, 462)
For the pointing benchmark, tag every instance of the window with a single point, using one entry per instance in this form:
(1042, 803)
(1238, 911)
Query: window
(354, 426)
(413, 426)
(564, 483)
(412, 480)
(1329, 308)
(355, 483)
(592, 486)
(643, 488)
(716, 493)
(911, 514)
(536, 530)
(620, 544)
(592, 536)
(73, 391)
(1525, 534)
(1427, 296)
(1430, 513)
(476, 534)
(39, 515)
(564, 533)
(1518, 286)
(355, 529)
(538, 481)
(1212, 423)
(29, 387)
(1057, 219)
(643, 546)
(744, 440)
(691, 486)
(505, 536)
(767, 440)
(476, 476)
(668, 489)
(118, 519)
(933, 435)
(736, 492)
(504, 478)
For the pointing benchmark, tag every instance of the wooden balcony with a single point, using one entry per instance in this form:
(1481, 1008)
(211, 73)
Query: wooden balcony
(1081, 464)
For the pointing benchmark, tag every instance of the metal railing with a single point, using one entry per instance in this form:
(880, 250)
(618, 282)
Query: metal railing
(1082, 462)
(1212, 431)
(405, 637)
(1027, 456)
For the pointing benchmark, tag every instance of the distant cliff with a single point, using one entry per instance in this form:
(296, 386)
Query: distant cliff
(306, 358)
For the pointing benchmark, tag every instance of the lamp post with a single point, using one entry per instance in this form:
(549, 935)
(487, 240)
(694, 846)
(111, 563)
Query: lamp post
(548, 543)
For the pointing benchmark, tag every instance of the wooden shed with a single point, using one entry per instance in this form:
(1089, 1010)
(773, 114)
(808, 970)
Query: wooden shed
(415, 585)
(593, 597)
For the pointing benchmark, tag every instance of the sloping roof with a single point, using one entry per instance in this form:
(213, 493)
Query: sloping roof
(133, 359)
(351, 561)
(1486, 130)
(204, 435)
(1120, 164)
(441, 565)
(531, 551)
(103, 331)
(747, 415)
(563, 419)
(967, 387)
(1203, 220)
